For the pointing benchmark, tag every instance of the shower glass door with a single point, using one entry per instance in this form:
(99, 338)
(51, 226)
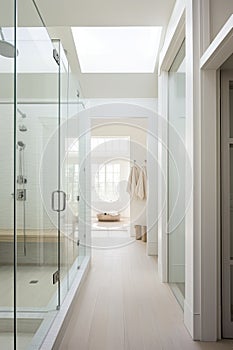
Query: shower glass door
(7, 96)
(69, 174)
(37, 197)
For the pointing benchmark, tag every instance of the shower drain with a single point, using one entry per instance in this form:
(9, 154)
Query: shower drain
(33, 281)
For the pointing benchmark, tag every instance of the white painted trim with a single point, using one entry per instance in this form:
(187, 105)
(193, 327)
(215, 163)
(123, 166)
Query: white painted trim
(220, 48)
(162, 171)
(152, 248)
(209, 224)
(191, 321)
(174, 36)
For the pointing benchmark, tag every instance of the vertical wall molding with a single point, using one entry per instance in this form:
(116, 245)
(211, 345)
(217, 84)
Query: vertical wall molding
(162, 176)
(209, 207)
(192, 307)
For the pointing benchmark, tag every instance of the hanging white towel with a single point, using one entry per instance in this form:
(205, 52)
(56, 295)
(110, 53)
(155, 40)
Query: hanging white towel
(141, 188)
(132, 181)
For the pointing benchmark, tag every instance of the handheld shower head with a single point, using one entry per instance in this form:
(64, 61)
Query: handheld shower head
(21, 145)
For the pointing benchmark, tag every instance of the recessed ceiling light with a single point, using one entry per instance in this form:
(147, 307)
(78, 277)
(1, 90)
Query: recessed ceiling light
(117, 49)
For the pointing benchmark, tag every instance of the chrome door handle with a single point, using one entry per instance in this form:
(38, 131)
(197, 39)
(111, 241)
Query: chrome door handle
(53, 201)
(64, 200)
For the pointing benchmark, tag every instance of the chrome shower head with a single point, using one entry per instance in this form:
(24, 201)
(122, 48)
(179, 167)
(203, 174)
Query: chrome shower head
(7, 49)
(23, 115)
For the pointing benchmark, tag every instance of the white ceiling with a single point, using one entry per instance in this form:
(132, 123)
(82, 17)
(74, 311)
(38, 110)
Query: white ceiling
(105, 12)
(67, 13)
(60, 15)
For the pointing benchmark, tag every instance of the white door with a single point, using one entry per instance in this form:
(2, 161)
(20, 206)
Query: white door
(227, 201)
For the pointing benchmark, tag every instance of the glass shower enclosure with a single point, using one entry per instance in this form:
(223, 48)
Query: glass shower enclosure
(41, 245)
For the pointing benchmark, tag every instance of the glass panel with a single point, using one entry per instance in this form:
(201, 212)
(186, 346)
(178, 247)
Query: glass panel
(63, 246)
(176, 176)
(6, 175)
(84, 223)
(37, 174)
(46, 95)
(72, 253)
(69, 178)
(231, 106)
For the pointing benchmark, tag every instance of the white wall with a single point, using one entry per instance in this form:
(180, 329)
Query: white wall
(41, 122)
(150, 103)
(203, 21)
(6, 166)
(220, 11)
(38, 132)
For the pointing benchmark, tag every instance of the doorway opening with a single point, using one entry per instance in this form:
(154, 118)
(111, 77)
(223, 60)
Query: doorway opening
(118, 214)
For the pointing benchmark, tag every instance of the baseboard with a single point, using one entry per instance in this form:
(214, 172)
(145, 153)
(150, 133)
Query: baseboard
(152, 248)
(55, 334)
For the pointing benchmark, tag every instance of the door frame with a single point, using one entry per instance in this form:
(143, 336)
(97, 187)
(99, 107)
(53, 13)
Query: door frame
(211, 61)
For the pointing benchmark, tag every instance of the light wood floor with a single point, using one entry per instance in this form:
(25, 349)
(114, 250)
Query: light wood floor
(123, 306)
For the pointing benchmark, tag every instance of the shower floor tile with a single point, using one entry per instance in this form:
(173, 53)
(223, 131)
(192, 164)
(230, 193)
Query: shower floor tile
(29, 295)
(23, 340)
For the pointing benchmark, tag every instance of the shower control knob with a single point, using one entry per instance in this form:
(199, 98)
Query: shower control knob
(21, 194)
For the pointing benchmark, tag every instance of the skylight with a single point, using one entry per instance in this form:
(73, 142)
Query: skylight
(117, 49)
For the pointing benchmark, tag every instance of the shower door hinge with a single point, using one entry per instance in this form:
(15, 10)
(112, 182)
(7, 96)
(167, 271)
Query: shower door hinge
(56, 277)
(56, 56)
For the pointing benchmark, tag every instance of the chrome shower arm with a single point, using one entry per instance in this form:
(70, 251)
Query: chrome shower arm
(1, 34)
